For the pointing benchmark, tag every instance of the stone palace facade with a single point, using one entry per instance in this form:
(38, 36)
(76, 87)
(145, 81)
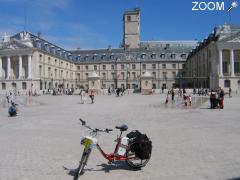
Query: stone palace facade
(30, 63)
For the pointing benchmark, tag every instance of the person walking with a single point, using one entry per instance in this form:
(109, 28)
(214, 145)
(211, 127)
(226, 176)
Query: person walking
(221, 99)
(230, 92)
(81, 96)
(173, 94)
(212, 99)
(190, 100)
(109, 91)
(92, 96)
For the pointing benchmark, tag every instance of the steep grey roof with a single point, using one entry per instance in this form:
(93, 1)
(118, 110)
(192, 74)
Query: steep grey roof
(148, 51)
(219, 33)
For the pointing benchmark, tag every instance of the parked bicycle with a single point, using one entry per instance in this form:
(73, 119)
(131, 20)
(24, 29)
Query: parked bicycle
(125, 149)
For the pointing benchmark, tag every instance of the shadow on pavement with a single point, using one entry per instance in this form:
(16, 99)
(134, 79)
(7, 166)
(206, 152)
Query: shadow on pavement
(238, 178)
(114, 166)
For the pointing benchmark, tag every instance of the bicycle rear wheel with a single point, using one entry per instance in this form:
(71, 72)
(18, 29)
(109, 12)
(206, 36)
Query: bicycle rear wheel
(134, 162)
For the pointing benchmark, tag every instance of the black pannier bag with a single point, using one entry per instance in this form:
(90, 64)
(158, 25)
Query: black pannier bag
(140, 144)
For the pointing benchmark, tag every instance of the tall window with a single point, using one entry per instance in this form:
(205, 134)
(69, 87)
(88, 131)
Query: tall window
(153, 66)
(86, 67)
(104, 67)
(174, 66)
(128, 18)
(164, 66)
(49, 72)
(133, 66)
(144, 66)
(55, 73)
(112, 66)
(113, 75)
(237, 67)
(95, 67)
(122, 75)
(225, 67)
(78, 67)
(174, 75)
(24, 85)
(133, 75)
(104, 76)
(164, 75)
(40, 70)
(122, 66)
(154, 75)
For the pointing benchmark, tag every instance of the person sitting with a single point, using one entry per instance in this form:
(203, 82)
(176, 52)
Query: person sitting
(12, 111)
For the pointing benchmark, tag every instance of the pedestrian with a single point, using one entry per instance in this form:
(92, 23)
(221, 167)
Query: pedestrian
(118, 91)
(12, 111)
(173, 94)
(162, 89)
(230, 92)
(190, 100)
(166, 101)
(92, 96)
(81, 96)
(221, 99)
(213, 103)
(109, 91)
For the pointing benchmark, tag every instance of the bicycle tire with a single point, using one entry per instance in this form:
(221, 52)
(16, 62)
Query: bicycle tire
(135, 165)
(82, 163)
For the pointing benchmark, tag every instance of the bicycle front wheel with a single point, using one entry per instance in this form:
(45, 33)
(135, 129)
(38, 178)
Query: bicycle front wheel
(134, 162)
(82, 164)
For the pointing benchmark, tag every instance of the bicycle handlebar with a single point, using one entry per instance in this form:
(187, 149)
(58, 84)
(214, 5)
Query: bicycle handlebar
(95, 130)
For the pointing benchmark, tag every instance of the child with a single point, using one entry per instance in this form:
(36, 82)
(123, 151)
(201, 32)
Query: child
(190, 100)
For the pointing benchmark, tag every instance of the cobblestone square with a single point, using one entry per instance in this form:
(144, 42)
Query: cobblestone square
(188, 143)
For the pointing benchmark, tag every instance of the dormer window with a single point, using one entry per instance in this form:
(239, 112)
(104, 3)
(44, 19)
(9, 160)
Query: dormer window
(46, 47)
(103, 57)
(153, 56)
(183, 56)
(94, 57)
(112, 57)
(173, 56)
(79, 57)
(162, 56)
(86, 58)
(143, 56)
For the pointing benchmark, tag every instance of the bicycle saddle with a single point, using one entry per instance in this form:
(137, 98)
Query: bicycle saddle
(122, 127)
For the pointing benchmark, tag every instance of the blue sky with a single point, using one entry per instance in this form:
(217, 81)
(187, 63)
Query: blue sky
(90, 24)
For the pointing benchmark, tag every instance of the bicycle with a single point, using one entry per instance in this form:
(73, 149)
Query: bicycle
(90, 142)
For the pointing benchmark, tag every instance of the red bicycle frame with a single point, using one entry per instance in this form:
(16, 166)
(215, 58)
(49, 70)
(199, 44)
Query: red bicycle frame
(114, 156)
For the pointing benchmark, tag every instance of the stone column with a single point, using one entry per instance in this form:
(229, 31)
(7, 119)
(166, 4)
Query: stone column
(29, 66)
(20, 67)
(232, 62)
(220, 64)
(8, 67)
(0, 67)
